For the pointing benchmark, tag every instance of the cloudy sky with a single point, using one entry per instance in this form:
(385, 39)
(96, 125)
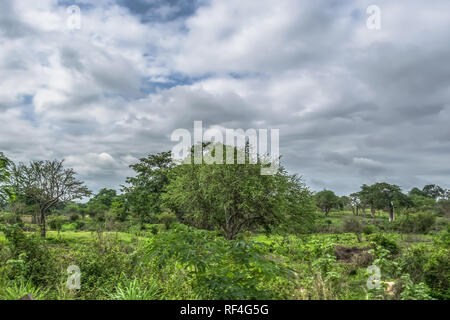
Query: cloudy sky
(354, 105)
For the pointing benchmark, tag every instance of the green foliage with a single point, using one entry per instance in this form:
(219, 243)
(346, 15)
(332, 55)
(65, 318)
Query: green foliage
(145, 189)
(443, 208)
(13, 290)
(353, 225)
(6, 191)
(134, 289)
(220, 269)
(56, 222)
(167, 218)
(225, 232)
(429, 266)
(385, 243)
(421, 222)
(412, 291)
(102, 265)
(28, 258)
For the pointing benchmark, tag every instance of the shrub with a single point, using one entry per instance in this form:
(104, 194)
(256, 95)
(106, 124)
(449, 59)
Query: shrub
(219, 269)
(418, 223)
(429, 266)
(29, 258)
(101, 265)
(369, 229)
(167, 218)
(384, 242)
(9, 218)
(135, 289)
(14, 290)
(353, 225)
(56, 222)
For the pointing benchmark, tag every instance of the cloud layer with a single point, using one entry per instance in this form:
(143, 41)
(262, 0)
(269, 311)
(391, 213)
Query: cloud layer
(353, 105)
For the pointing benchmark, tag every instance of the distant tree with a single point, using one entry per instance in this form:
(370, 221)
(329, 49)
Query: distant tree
(355, 202)
(389, 196)
(100, 203)
(119, 208)
(48, 184)
(368, 194)
(105, 197)
(145, 189)
(433, 191)
(422, 203)
(417, 192)
(344, 202)
(326, 200)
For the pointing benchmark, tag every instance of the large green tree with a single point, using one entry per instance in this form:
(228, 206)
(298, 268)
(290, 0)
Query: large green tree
(234, 198)
(49, 184)
(145, 189)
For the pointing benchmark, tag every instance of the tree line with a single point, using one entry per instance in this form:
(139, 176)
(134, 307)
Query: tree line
(229, 198)
(384, 196)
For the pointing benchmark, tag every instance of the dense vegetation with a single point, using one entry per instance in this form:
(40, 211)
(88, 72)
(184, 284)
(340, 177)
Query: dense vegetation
(210, 231)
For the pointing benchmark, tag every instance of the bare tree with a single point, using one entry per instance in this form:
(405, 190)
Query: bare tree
(48, 184)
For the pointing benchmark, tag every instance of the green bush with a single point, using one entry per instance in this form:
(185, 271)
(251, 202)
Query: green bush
(431, 266)
(29, 258)
(369, 229)
(421, 222)
(384, 242)
(220, 269)
(167, 218)
(101, 265)
(135, 289)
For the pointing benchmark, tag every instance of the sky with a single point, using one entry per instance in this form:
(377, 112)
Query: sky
(353, 104)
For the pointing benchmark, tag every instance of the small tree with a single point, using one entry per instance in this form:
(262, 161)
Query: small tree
(327, 200)
(48, 184)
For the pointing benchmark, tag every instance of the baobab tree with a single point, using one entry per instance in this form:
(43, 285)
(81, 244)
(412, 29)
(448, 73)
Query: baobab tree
(48, 184)
(388, 196)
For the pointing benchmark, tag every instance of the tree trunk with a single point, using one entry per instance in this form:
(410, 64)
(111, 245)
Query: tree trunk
(372, 210)
(391, 213)
(353, 210)
(357, 210)
(43, 231)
